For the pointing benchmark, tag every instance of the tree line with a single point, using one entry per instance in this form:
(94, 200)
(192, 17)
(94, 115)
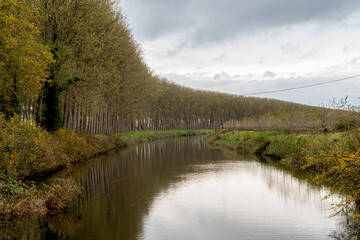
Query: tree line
(74, 64)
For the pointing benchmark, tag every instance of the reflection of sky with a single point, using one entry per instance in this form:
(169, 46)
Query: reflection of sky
(292, 189)
(239, 200)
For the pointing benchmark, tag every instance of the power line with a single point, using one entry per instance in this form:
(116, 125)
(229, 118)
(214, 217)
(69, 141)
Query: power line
(300, 87)
(227, 95)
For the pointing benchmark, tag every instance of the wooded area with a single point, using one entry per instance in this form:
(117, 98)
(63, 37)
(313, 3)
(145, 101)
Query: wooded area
(74, 64)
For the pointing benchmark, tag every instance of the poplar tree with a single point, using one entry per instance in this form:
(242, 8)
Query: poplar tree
(24, 60)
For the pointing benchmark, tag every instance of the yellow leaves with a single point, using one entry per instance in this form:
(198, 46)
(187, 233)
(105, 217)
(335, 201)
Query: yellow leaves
(24, 60)
(13, 162)
(70, 141)
(338, 167)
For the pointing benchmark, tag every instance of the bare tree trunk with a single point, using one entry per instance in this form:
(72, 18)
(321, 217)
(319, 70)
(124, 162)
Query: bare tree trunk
(39, 110)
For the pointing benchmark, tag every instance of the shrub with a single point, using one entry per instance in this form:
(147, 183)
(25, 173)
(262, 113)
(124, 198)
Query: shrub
(343, 126)
(61, 194)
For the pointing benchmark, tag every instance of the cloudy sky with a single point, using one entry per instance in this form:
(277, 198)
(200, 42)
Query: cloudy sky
(243, 47)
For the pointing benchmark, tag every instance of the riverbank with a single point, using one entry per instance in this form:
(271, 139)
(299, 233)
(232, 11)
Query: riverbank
(332, 158)
(28, 155)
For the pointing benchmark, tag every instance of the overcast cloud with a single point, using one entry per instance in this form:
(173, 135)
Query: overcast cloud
(237, 46)
(213, 20)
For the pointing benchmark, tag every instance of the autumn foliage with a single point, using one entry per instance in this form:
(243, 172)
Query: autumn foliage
(337, 165)
(24, 59)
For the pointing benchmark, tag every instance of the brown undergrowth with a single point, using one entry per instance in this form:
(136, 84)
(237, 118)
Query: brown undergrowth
(54, 198)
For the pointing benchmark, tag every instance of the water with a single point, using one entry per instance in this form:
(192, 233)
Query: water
(183, 189)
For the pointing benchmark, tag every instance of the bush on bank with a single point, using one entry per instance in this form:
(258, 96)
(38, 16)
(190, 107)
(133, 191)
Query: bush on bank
(26, 152)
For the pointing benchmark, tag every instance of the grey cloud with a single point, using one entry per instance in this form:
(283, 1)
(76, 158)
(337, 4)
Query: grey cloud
(221, 76)
(269, 74)
(213, 21)
(355, 61)
(291, 49)
(219, 58)
(154, 18)
(175, 50)
(347, 49)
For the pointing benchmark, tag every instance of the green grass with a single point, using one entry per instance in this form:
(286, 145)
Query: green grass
(275, 144)
(130, 138)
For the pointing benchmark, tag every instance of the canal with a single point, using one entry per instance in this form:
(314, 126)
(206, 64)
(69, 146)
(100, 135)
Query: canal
(184, 189)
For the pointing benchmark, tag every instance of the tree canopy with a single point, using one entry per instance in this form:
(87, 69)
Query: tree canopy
(24, 59)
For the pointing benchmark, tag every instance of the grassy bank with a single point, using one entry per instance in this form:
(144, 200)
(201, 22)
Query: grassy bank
(29, 154)
(131, 138)
(332, 158)
(290, 147)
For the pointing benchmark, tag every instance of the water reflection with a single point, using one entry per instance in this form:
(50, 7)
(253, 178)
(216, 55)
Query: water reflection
(238, 200)
(120, 187)
(182, 189)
